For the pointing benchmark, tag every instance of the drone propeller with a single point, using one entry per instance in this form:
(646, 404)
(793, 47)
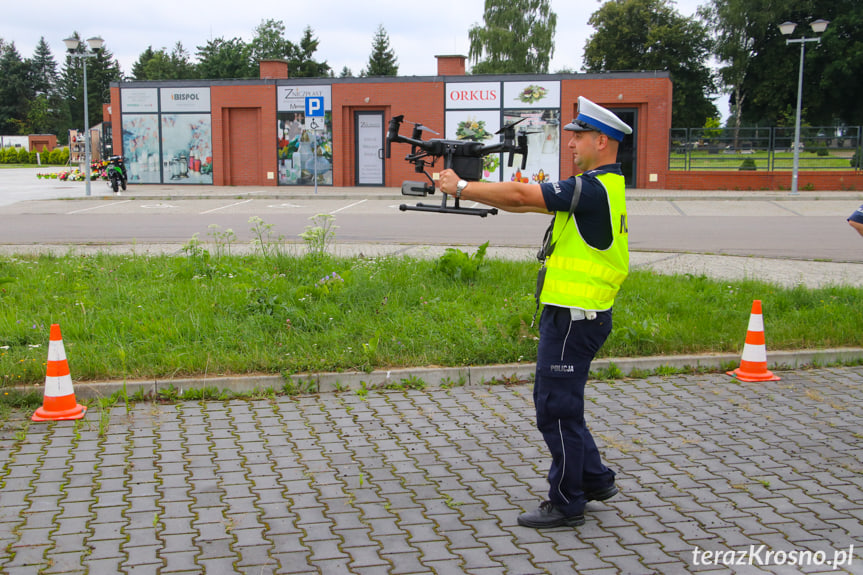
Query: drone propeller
(510, 126)
(422, 128)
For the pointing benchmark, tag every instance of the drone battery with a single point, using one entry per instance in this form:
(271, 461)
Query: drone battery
(467, 167)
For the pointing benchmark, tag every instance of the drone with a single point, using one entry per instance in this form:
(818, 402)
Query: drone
(464, 157)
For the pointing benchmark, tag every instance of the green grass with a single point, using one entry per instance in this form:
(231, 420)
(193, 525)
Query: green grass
(143, 316)
(781, 161)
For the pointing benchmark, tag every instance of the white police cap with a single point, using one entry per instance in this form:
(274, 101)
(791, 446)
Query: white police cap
(595, 118)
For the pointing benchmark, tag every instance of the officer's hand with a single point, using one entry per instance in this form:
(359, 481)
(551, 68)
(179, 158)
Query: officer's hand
(447, 182)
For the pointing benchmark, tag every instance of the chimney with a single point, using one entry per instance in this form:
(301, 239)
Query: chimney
(273, 69)
(452, 65)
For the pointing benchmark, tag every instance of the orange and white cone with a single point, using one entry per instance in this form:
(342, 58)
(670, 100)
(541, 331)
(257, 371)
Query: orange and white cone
(753, 364)
(59, 400)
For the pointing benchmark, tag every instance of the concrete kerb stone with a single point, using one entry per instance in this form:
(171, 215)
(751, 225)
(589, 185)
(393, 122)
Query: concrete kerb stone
(434, 377)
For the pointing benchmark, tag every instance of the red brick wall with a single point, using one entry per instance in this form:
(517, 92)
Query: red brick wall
(116, 127)
(651, 97)
(450, 65)
(421, 101)
(746, 180)
(39, 142)
(417, 101)
(273, 69)
(223, 99)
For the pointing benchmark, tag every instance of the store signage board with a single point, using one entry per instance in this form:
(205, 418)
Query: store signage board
(293, 98)
(182, 99)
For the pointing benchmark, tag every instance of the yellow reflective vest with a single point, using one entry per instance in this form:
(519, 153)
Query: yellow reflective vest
(580, 275)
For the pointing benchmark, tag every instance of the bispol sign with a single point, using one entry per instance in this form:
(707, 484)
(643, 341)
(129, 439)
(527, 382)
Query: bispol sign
(185, 99)
(183, 96)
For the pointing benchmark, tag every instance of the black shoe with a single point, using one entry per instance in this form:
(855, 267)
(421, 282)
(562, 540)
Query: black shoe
(547, 515)
(601, 494)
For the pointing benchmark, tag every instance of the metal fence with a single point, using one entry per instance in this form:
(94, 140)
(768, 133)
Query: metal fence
(765, 149)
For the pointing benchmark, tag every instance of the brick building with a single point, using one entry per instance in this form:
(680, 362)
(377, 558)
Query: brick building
(255, 132)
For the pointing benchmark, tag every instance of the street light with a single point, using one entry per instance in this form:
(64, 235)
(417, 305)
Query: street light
(73, 44)
(787, 28)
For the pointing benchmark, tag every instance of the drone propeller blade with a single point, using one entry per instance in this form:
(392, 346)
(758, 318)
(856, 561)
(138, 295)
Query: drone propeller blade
(423, 128)
(508, 126)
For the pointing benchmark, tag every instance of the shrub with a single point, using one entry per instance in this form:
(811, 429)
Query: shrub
(23, 156)
(748, 164)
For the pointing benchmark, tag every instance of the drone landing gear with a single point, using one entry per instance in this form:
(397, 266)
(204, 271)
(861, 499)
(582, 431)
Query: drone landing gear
(481, 212)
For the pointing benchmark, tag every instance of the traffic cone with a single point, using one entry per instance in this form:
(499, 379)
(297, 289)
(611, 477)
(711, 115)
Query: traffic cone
(59, 400)
(753, 364)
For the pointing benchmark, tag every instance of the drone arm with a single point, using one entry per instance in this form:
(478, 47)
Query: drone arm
(507, 196)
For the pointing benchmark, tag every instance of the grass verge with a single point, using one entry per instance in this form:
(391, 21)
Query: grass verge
(146, 316)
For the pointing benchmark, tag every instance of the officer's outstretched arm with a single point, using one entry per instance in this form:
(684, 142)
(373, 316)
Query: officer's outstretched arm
(507, 196)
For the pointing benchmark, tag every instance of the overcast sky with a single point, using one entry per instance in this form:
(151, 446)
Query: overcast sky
(345, 28)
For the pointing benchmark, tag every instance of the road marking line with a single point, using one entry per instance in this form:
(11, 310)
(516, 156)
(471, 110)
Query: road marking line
(348, 206)
(98, 207)
(224, 207)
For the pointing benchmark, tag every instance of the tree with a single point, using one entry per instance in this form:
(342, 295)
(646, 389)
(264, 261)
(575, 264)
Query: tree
(43, 69)
(222, 58)
(102, 69)
(346, 73)
(303, 65)
(518, 37)
(139, 68)
(382, 61)
(735, 25)
(15, 90)
(159, 65)
(833, 69)
(46, 110)
(652, 35)
(270, 43)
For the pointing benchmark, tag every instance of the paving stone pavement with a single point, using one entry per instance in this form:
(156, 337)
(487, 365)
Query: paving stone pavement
(712, 472)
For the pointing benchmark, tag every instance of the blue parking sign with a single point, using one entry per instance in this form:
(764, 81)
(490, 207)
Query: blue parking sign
(315, 106)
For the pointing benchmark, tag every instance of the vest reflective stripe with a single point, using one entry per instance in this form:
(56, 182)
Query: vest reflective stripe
(579, 275)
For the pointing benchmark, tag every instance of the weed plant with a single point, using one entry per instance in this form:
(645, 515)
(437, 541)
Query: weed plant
(155, 316)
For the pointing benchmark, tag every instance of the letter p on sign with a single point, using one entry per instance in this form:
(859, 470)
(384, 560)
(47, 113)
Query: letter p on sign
(315, 106)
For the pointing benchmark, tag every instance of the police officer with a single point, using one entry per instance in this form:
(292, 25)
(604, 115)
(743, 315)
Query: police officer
(855, 220)
(586, 259)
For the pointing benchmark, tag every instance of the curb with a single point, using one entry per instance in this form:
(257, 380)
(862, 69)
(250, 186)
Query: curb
(437, 377)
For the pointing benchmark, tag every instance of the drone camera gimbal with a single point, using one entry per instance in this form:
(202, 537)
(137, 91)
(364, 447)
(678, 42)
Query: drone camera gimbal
(464, 157)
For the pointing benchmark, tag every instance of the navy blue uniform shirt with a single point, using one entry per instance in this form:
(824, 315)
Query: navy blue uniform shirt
(592, 212)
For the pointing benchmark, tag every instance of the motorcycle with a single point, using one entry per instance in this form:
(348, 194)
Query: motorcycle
(115, 169)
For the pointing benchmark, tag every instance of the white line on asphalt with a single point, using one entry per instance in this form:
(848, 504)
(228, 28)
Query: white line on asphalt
(348, 206)
(98, 207)
(223, 207)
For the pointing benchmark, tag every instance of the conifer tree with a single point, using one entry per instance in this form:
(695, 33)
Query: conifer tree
(382, 61)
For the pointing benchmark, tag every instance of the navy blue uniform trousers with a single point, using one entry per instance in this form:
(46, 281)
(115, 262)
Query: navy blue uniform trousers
(565, 351)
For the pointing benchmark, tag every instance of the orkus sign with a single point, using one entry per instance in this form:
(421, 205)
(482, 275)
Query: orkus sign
(472, 95)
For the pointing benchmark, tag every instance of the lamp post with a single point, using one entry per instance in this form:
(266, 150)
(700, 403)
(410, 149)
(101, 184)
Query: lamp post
(818, 26)
(73, 45)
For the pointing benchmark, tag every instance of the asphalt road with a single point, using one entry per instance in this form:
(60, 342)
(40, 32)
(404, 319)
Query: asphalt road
(770, 225)
(751, 228)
